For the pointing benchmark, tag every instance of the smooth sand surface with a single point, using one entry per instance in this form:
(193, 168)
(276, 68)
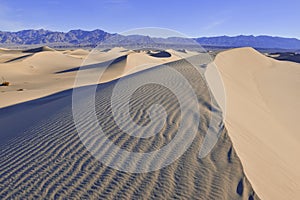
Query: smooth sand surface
(263, 104)
(42, 157)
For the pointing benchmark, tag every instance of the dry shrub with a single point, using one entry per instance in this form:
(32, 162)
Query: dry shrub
(5, 83)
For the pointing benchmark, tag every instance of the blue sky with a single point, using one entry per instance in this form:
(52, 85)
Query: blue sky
(192, 18)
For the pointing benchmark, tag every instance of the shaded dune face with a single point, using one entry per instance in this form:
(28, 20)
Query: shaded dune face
(161, 54)
(39, 49)
(48, 160)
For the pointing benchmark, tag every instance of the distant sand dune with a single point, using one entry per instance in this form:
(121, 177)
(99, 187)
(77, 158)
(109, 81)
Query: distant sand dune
(38, 49)
(162, 54)
(79, 52)
(13, 57)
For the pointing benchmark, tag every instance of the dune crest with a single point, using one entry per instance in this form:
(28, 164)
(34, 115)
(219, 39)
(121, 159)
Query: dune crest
(263, 102)
(39, 49)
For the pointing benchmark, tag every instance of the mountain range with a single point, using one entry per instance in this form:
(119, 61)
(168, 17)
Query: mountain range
(92, 38)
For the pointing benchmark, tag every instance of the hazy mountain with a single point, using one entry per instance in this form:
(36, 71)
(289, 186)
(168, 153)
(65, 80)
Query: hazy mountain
(252, 41)
(92, 38)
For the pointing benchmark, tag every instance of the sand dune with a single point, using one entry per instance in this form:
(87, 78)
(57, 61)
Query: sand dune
(8, 55)
(289, 56)
(39, 49)
(11, 55)
(77, 53)
(43, 156)
(263, 102)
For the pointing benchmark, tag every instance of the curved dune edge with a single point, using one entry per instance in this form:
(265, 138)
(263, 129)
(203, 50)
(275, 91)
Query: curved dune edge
(46, 159)
(262, 119)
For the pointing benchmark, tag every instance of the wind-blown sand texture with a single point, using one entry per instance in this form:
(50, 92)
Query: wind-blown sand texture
(262, 118)
(41, 155)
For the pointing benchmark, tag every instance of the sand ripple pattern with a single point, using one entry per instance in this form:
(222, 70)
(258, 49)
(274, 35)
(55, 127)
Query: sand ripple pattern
(49, 161)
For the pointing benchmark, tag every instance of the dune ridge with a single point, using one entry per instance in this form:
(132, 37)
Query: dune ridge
(263, 102)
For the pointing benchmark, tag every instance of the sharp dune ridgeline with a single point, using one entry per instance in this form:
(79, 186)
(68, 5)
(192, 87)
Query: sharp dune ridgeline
(42, 155)
(263, 104)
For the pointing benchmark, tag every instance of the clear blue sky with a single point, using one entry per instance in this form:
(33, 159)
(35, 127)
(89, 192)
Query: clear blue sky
(192, 18)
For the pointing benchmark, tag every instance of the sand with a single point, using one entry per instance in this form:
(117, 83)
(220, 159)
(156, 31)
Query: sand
(263, 102)
(41, 155)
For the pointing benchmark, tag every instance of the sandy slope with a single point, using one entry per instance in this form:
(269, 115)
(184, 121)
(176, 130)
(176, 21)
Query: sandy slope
(263, 102)
(43, 157)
